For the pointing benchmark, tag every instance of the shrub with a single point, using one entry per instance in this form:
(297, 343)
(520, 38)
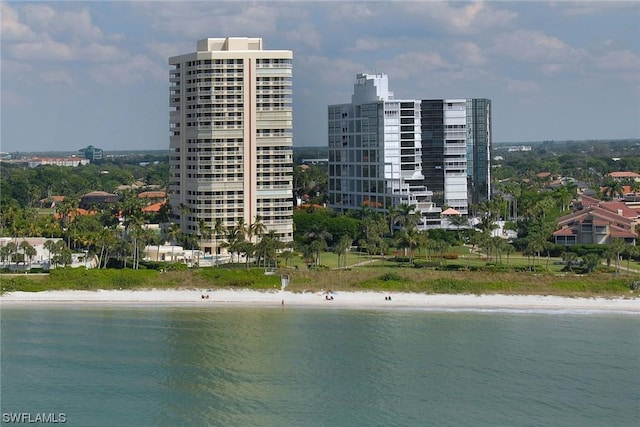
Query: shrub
(391, 277)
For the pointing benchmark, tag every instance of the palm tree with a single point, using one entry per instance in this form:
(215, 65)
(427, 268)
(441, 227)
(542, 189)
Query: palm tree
(174, 235)
(62, 254)
(257, 229)
(617, 247)
(268, 247)
(318, 236)
(631, 251)
(406, 216)
(564, 195)
(107, 240)
(247, 248)
(569, 259)
(287, 255)
(28, 251)
(634, 187)
(12, 249)
(49, 245)
(4, 254)
(508, 250)
(372, 232)
(64, 208)
(458, 221)
(612, 188)
(242, 227)
(408, 238)
(218, 230)
(591, 261)
(342, 247)
(232, 240)
(205, 232)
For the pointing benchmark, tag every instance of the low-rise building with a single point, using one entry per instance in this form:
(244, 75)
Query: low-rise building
(57, 161)
(596, 222)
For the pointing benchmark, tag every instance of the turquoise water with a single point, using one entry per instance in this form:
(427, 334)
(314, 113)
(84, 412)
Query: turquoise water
(311, 367)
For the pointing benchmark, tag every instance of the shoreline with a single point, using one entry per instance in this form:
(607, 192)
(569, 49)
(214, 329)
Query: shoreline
(361, 300)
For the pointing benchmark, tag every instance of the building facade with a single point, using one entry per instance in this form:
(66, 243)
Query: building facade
(426, 153)
(231, 120)
(456, 147)
(91, 153)
(57, 161)
(375, 151)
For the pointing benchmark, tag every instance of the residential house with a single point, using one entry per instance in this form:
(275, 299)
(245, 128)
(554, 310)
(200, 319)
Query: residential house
(596, 222)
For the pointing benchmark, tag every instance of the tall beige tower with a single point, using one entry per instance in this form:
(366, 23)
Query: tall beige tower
(231, 138)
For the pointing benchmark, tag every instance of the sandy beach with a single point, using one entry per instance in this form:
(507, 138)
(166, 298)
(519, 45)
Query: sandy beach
(355, 300)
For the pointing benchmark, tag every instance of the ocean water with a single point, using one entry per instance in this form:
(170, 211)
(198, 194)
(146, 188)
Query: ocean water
(159, 366)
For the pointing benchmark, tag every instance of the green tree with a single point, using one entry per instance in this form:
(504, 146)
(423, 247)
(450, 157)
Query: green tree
(372, 231)
(617, 246)
(317, 238)
(458, 221)
(341, 248)
(407, 239)
(612, 188)
(257, 228)
(12, 250)
(28, 251)
(569, 259)
(591, 261)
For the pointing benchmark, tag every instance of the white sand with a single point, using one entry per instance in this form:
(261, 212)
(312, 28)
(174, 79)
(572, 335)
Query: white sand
(356, 300)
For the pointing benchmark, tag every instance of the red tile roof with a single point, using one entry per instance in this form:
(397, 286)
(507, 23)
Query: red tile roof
(152, 194)
(154, 207)
(624, 175)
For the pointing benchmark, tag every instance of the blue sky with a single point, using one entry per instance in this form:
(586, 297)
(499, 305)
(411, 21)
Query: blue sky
(80, 73)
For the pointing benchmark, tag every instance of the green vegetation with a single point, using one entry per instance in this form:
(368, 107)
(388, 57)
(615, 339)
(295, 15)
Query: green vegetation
(363, 249)
(389, 277)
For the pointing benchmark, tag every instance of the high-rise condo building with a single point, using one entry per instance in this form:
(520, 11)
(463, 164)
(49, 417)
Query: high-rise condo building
(231, 138)
(426, 153)
(375, 151)
(456, 151)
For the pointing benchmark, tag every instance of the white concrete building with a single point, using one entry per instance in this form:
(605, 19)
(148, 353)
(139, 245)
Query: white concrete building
(42, 256)
(375, 152)
(231, 138)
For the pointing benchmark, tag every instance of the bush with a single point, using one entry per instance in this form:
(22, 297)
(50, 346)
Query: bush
(426, 264)
(391, 277)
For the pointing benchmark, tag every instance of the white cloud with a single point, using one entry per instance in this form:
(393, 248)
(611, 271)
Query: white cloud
(134, 69)
(329, 70)
(11, 28)
(57, 77)
(46, 49)
(306, 34)
(42, 49)
(551, 53)
(76, 23)
(472, 18)
(199, 20)
(619, 60)
(340, 11)
(469, 53)
(410, 65)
